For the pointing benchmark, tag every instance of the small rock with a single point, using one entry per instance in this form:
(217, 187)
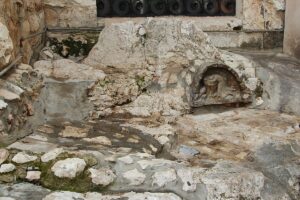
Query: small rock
(6, 168)
(163, 139)
(74, 132)
(142, 31)
(99, 140)
(126, 159)
(102, 177)
(134, 177)
(64, 196)
(259, 101)
(2, 104)
(33, 175)
(68, 168)
(163, 177)
(188, 151)
(132, 140)
(22, 158)
(51, 155)
(3, 155)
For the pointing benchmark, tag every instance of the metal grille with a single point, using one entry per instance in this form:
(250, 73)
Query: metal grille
(138, 8)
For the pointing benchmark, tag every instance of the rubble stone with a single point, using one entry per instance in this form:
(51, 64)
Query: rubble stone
(68, 168)
(51, 155)
(33, 175)
(23, 157)
(102, 177)
(167, 58)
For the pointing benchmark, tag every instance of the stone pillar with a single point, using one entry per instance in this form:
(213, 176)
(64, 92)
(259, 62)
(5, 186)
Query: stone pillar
(292, 28)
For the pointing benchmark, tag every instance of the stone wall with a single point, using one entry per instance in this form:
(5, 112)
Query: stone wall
(20, 19)
(246, 29)
(292, 29)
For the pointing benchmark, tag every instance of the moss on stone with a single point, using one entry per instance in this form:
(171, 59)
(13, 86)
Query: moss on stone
(75, 47)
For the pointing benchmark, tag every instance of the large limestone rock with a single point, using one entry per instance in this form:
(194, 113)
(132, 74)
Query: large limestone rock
(171, 59)
(6, 46)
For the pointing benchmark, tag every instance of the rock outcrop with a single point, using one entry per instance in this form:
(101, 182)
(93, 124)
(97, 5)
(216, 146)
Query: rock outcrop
(177, 65)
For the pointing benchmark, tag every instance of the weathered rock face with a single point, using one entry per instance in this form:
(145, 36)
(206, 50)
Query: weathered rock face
(68, 70)
(23, 18)
(16, 103)
(178, 65)
(6, 46)
(260, 14)
(74, 13)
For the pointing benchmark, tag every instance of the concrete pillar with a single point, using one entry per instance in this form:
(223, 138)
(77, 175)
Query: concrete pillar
(291, 44)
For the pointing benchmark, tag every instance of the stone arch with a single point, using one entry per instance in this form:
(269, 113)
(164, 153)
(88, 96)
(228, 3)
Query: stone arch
(218, 84)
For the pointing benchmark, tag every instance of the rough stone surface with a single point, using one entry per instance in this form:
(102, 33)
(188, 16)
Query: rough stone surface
(99, 196)
(134, 177)
(33, 175)
(169, 63)
(23, 157)
(6, 168)
(102, 177)
(68, 168)
(74, 132)
(65, 69)
(163, 177)
(51, 155)
(74, 13)
(6, 46)
(99, 140)
(4, 153)
(64, 195)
